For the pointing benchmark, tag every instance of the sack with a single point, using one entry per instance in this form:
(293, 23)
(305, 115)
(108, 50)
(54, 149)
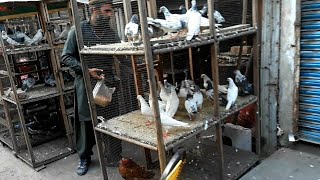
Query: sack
(102, 95)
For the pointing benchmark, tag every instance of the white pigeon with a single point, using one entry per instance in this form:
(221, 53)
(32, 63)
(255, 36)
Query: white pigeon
(36, 38)
(167, 26)
(173, 17)
(64, 33)
(194, 21)
(166, 120)
(170, 122)
(172, 103)
(164, 93)
(144, 107)
(132, 29)
(162, 105)
(232, 94)
(218, 17)
(191, 105)
(197, 96)
(8, 39)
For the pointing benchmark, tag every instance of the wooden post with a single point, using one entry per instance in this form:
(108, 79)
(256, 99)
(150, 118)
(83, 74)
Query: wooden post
(172, 68)
(9, 119)
(127, 10)
(18, 104)
(153, 88)
(152, 8)
(215, 76)
(256, 69)
(87, 81)
(243, 38)
(57, 75)
(191, 64)
(137, 76)
(187, 4)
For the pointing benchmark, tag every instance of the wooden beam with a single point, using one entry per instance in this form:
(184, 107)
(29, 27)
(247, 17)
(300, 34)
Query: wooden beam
(152, 8)
(152, 82)
(127, 10)
(15, 16)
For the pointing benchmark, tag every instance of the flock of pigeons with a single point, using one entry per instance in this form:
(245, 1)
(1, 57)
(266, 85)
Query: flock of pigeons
(169, 98)
(191, 20)
(19, 38)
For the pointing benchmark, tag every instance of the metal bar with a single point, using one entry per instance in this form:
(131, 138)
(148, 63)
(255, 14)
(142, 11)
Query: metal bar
(86, 77)
(127, 10)
(191, 64)
(153, 88)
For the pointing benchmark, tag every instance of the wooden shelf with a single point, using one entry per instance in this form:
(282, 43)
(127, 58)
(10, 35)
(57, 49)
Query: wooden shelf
(36, 94)
(131, 127)
(20, 50)
(165, 44)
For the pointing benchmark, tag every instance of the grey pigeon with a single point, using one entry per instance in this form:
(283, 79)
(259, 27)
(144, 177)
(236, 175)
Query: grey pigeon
(36, 38)
(132, 29)
(28, 83)
(64, 33)
(241, 81)
(9, 40)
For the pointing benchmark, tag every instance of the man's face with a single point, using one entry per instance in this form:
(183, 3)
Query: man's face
(103, 14)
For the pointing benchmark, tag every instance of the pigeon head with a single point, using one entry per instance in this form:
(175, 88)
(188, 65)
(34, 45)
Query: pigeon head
(68, 24)
(230, 80)
(182, 7)
(194, 4)
(134, 19)
(236, 71)
(218, 17)
(204, 76)
(163, 9)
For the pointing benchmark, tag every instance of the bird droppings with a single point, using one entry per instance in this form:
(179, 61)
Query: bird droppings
(311, 166)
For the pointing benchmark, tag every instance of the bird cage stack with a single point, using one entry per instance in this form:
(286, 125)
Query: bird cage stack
(160, 63)
(33, 106)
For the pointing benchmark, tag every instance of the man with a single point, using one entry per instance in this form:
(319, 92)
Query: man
(95, 31)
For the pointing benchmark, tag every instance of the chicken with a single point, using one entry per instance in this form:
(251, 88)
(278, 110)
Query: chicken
(130, 170)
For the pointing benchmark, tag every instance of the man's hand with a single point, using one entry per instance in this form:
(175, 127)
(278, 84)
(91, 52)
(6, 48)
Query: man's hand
(94, 73)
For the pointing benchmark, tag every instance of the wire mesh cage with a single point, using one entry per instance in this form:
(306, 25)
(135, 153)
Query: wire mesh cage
(169, 78)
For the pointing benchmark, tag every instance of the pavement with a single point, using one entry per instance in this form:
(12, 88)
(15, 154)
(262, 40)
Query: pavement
(298, 162)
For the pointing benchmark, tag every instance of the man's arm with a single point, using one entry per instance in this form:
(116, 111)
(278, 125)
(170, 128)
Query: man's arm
(70, 53)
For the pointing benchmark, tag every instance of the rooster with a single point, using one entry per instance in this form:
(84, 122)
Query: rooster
(130, 170)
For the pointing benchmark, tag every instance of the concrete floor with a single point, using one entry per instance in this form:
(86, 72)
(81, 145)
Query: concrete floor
(299, 162)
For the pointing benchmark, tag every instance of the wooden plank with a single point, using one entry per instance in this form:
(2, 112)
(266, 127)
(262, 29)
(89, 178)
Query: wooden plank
(16, 16)
(131, 127)
(191, 63)
(151, 78)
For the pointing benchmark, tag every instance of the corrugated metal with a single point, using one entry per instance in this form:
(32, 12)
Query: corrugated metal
(309, 98)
